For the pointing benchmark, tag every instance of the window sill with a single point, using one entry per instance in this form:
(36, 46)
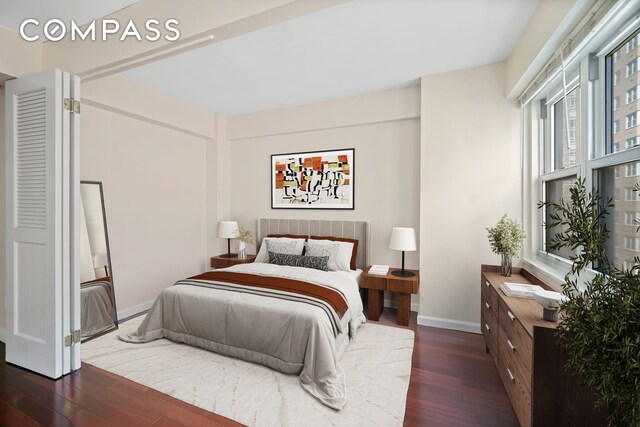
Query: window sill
(552, 275)
(552, 270)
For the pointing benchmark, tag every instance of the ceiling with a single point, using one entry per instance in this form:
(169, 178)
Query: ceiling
(14, 12)
(353, 48)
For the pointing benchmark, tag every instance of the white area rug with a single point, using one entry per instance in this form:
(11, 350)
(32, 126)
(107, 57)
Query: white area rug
(377, 365)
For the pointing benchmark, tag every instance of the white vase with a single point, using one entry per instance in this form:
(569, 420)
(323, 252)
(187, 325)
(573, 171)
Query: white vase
(242, 250)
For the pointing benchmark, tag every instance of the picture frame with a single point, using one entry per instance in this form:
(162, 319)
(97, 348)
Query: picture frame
(313, 180)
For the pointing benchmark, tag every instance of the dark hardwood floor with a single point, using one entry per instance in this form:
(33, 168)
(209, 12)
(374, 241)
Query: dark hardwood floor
(453, 383)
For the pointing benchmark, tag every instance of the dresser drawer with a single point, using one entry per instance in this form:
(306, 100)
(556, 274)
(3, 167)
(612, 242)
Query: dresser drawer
(516, 381)
(371, 282)
(489, 293)
(516, 340)
(403, 286)
(489, 326)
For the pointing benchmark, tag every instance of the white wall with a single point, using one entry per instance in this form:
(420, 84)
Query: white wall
(470, 176)
(385, 132)
(154, 182)
(18, 56)
(2, 216)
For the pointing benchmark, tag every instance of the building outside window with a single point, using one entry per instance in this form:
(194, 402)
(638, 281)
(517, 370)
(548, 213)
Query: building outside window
(566, 132)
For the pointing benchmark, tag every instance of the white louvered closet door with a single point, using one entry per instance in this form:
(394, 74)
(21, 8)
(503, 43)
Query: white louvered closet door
(41, 167)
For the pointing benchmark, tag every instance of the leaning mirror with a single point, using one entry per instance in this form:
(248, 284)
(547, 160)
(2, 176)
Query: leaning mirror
(97, 294)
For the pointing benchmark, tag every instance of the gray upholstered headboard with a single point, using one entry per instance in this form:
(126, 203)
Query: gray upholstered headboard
(314, 227)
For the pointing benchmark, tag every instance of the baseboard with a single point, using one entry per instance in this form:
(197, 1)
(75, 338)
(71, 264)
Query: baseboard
(3, 334)
(456, 325)
(388, 302)
(136, 309)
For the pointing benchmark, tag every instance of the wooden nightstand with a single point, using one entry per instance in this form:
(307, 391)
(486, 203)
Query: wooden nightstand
(403, 287)
(222, 261)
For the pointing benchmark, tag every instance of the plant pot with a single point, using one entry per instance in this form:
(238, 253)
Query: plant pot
(242, 251)
(505, 267)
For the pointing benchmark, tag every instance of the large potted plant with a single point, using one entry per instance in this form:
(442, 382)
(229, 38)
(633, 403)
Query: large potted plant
(600, 329)
(506, 239)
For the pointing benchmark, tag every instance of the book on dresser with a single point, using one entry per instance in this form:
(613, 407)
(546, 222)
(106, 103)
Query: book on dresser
(520, 290)
(379, 270)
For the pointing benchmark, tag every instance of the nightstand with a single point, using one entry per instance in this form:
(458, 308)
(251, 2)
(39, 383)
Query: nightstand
(222, 261)
(403, 287)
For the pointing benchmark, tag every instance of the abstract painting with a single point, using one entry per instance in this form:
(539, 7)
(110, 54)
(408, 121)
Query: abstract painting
(313, 180)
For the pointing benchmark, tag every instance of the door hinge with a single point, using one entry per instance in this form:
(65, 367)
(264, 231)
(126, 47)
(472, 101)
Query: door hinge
(72, 105)
(74, 338)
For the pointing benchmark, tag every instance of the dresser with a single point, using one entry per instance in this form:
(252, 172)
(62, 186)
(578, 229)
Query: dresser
(507, 326)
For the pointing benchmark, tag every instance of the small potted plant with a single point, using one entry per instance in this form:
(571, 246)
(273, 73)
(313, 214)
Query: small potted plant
(506, 239)
(245, 236)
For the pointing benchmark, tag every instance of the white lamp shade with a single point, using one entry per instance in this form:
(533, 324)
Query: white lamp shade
(403, 239)
(228, 230)
(100, 260)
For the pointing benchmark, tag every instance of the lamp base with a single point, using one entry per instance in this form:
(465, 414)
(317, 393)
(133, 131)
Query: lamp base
(401, 273)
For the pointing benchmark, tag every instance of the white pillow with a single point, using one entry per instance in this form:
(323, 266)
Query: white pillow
(339, 253)
(281, 245)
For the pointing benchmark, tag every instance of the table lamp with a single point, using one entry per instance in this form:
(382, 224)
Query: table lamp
(403, 239)
(228, 230)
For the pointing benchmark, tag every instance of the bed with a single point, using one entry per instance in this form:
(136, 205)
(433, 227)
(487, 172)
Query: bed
(293, 319)
(98, 312)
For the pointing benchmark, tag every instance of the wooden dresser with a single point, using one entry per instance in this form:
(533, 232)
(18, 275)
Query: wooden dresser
(507, 326)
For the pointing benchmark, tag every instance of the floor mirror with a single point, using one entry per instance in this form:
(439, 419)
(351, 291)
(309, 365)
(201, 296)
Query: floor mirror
(97, 293)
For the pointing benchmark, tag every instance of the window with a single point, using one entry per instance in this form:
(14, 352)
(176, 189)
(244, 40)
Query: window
(566, 130)
(632, 44)
(631, 195)
(633, 169)
(632, 67)
(621, 221)
(632, 243)
(589, 128)
(632, 218)
(554, 191)
(632, 95)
